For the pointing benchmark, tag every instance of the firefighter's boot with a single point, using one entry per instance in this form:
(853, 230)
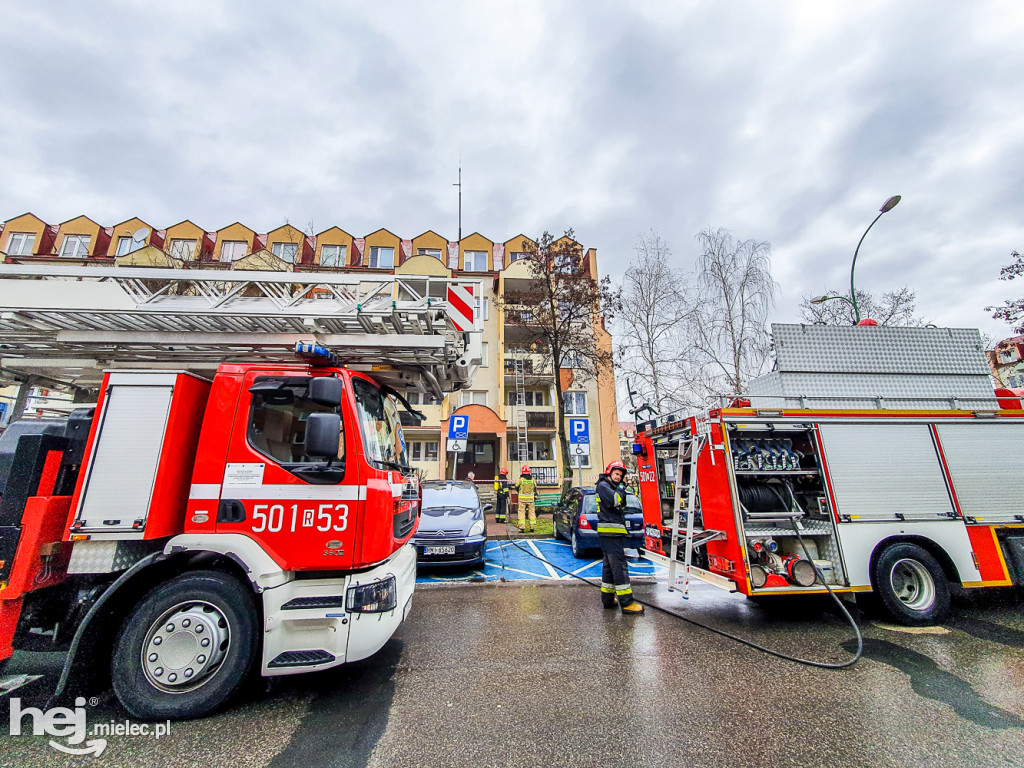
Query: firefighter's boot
(608, 601)
(633, 608)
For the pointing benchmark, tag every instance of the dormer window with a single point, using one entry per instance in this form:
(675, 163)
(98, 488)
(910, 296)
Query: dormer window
(183, 249)
(75, 246)
(475, 261)
(382, 257)
(332, 255)
(285, 251)
(21, 243)
(231, 250)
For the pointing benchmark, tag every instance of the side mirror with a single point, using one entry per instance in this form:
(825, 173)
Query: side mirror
(326, 390)
(488, 508)
(323, 435)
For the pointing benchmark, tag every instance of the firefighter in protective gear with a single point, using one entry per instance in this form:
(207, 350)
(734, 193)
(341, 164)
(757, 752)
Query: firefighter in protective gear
(501, 490)
(526, 487)
(611, 528)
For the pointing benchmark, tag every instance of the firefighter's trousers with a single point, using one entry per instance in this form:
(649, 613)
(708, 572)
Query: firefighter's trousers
(499, 510)
(526, 511)
(614, 572)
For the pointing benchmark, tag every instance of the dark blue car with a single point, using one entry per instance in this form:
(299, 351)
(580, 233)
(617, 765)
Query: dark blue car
(576, 520)
(452, 527)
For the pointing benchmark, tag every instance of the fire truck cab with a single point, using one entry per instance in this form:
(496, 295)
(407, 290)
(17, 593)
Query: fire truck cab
(899, 493)
(189, 528)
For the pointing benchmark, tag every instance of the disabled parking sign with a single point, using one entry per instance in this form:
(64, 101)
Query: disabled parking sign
(458, 433)
(579, 437)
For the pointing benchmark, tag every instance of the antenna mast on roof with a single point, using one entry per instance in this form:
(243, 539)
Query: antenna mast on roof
(459, 185)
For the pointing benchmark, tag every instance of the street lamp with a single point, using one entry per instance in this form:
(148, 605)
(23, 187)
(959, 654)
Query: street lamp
(887, 206)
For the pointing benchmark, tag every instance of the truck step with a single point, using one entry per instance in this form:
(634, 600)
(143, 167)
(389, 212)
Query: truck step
(301, 659)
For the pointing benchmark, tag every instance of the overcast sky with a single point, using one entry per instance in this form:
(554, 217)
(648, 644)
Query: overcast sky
(785, 122)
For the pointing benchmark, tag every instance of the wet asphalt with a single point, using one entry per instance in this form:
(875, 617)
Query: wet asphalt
(537, 674)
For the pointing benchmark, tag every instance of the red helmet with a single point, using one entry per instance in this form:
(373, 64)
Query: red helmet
(525, 469)
(504, 470)
(615, 465)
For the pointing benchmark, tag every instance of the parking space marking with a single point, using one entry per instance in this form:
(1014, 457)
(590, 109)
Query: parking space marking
(519, 565)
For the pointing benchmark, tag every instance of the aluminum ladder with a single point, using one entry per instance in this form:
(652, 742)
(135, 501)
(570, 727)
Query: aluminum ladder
(689, 450)
(522, 435)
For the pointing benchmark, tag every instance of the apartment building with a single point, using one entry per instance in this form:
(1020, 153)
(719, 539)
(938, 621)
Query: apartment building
(1007, 362)
(512, 362)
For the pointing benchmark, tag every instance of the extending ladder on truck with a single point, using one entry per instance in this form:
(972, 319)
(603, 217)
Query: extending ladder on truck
(67, 323)
(689, 450)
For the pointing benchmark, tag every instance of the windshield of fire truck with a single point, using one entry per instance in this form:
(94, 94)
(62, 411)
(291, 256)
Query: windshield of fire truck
(381, 428)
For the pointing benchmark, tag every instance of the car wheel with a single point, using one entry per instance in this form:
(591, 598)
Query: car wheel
(577, 551)
(186, 648)
(554, 528)
(911, 585)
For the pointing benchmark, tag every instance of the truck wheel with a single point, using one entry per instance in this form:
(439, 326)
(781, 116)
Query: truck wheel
(186, 648)
(911, 585)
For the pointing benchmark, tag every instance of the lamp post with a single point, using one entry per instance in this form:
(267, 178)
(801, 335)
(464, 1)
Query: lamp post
(887, 206)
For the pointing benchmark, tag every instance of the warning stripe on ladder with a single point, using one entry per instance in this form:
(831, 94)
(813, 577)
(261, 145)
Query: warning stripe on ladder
(460, 306)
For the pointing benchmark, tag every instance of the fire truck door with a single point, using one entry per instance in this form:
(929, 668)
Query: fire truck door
(292, 497)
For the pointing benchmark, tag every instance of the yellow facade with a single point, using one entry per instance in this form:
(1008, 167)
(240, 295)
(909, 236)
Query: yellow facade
(27, 223)
(187, 231)
(80, 225)
(333, 236)
(476, 242)
(234, 233)
(382, 238)
(128, 229)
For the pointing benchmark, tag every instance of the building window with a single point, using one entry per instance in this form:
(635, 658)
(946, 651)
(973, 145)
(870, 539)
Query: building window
(285, 251)
(435, 252)
(483, 355)
(183, 249)
(572, 360)
(474, 397)
(420, 398)
(575, 403)
(530, 397)
(332, 255)
(475, 261)
(381, 257)
(230, 250)
(536, 450)
(75, 246)
(20, 243)
(516, 256)
(416, 451)
(124, 245)
(578, 462)
(430, 451)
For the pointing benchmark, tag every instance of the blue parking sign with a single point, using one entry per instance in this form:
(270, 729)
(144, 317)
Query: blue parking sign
(458, 428)
(579, 431)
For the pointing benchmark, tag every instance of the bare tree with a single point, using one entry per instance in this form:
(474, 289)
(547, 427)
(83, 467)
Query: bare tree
(894, 308)
(562, 308)
(652, 319)
(1012, 310)
(727, 341)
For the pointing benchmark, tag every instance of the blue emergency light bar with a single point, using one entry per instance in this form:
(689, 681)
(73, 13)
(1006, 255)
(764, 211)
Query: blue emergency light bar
(315, 354)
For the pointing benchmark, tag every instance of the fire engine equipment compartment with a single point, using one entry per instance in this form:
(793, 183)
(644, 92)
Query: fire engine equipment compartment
(780, 491)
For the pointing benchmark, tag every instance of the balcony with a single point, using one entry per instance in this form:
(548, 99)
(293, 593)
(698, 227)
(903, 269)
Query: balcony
(541, 419)
(533, 365)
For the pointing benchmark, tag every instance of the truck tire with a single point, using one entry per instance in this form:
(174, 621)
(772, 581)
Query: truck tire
(186, 648)
(911, 585)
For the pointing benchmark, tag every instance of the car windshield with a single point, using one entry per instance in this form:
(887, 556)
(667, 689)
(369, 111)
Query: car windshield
(452, 495)
(632, 503)
(380, 425)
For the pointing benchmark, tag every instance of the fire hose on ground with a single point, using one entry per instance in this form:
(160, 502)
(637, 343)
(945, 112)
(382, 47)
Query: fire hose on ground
(721, 632)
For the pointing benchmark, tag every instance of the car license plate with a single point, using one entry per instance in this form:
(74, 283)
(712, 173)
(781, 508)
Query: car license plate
(441, 550)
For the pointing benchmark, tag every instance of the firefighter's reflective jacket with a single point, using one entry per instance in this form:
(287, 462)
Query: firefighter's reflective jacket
(502, 486)
(611, 507)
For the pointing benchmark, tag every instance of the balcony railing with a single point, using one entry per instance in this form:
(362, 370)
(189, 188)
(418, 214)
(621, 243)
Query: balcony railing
(540, 420)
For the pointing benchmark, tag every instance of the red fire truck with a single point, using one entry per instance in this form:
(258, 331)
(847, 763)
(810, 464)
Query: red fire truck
(846, 467)
(188, 528)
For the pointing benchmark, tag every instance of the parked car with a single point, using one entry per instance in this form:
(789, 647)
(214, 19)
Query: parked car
(452, 527)
(575, 519)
